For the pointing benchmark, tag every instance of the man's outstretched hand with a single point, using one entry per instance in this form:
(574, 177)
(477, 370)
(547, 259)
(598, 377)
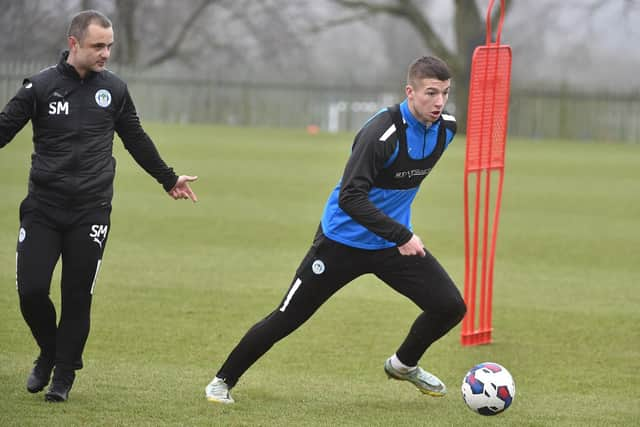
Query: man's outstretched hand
(182, 190)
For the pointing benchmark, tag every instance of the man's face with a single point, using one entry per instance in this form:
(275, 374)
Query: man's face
(427, 98)
(91, 53)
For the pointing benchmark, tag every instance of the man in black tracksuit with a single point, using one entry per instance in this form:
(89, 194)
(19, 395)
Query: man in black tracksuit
(74, 107)
(366, 229)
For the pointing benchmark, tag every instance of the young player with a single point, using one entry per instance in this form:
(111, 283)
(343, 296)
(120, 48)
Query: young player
(366, 228)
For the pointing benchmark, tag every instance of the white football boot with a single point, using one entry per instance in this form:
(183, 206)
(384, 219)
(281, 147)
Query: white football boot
(424, 381)
(218, 391)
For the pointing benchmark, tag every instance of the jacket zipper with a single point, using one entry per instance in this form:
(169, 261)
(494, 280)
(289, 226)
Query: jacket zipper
(424, 142)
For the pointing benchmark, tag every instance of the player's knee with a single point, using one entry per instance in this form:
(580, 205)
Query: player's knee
(461, 309)
(28, 294)
(455, 308)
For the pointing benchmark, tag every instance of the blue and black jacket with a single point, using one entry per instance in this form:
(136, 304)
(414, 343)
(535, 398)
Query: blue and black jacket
(370, 208)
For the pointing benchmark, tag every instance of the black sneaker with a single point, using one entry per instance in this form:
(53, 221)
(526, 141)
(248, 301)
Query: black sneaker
(60, 386)
(40, 374)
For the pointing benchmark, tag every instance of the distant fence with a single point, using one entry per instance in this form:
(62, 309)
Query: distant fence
(572, 115)
(255, 104)
(533, 114)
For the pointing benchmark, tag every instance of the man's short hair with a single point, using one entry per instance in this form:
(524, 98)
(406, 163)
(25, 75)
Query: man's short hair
(81, 21)
(427, 67)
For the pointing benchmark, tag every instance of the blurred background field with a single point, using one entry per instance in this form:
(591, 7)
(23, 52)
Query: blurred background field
(181, 283)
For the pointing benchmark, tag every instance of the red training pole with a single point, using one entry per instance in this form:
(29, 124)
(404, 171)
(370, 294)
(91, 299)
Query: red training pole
(486, 137)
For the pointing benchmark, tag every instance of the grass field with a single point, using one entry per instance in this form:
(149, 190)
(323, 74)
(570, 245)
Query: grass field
(181, 283)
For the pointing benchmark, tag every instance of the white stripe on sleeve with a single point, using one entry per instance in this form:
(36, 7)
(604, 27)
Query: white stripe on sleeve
(388, 133)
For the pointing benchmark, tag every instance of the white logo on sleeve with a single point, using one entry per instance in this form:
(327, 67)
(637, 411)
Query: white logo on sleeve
(103, 98)
(317, 267)
(99, 233)
(22, 235)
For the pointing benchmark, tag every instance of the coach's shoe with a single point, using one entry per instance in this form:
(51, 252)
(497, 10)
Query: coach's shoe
(60, 386)
(424, 381)
(40, 374)
(218, 391)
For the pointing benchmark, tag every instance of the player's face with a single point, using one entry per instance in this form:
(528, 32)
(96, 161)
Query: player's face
(427, 98)
(91, 53)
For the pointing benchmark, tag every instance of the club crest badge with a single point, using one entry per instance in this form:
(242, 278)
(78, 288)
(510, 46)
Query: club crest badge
(103, 98)
(317, 267)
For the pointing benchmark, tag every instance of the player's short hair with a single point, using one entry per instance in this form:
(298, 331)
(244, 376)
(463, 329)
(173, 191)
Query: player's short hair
(81, 21)
(427, 67)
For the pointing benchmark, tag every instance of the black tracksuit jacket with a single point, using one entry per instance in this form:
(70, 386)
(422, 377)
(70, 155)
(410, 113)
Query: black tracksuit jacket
(74, 121)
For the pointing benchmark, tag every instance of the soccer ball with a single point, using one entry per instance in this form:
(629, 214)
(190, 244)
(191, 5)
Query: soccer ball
(488, 389)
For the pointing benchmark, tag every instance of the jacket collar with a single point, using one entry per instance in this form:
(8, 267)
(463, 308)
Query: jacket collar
(69, 70)
(411, 120)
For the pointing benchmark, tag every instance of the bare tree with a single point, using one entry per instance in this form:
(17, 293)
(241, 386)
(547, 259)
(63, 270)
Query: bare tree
(203, 35)
(172, 49)
(469, 30)
(297, 40)
(32, 30)
(128, 45)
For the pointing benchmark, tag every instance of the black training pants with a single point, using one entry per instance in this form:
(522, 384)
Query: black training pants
(79, 237)
(326, 268)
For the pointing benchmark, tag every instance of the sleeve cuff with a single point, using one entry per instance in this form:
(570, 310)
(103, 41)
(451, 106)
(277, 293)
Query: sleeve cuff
(170, 183)
(404, 238)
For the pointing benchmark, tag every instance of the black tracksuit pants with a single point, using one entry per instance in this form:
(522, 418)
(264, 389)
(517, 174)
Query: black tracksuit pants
(326, 268)
(79, 237)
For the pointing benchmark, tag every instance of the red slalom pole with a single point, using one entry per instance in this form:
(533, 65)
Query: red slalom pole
(487, 118)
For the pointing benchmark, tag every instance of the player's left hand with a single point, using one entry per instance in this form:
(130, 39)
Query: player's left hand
(182, 190)
(413, 247)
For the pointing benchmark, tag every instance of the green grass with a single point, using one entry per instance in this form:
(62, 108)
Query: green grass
(181, 283)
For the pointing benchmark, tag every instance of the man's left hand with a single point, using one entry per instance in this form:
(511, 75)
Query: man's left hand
(182, 190)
